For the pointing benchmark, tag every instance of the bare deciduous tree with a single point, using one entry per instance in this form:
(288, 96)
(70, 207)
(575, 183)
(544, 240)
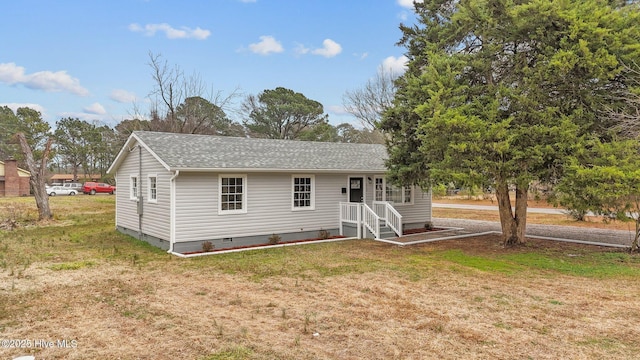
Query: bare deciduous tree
(172, 89)
(370, 102)
(38, 175)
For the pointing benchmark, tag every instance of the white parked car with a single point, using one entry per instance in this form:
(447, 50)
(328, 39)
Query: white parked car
(73, 186)
(60, 190)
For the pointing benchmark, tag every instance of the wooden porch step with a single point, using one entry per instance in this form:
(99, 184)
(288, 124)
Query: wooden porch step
(387, 233)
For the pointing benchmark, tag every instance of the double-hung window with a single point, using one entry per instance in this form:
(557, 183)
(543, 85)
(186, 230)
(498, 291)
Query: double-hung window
(233, 194)
(395, 194)
(133, 195)
(303, 192)
(379, 189)
(153, 188)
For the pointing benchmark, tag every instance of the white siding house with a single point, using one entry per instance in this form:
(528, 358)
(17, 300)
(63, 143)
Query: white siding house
(177, 191)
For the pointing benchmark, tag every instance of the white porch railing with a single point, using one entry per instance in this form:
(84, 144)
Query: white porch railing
(365, 217)
(371, 220)
(389, 215)
(380, 208)
(352, 214)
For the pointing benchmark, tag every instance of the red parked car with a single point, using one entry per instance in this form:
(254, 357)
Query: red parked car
(93, 187)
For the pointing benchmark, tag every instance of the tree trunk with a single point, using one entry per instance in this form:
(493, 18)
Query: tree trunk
(635, 246)
(38, 179)
(75, 172)
(513, 224)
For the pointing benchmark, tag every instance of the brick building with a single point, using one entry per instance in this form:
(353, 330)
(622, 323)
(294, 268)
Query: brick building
(13, 180)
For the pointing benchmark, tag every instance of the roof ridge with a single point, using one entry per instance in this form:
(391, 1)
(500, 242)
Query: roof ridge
(247, 138)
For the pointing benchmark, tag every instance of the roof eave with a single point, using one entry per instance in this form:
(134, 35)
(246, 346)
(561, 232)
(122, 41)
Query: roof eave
(126, 148)
(277, 170)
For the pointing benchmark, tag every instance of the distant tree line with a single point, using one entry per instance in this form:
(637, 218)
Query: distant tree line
(180, 104)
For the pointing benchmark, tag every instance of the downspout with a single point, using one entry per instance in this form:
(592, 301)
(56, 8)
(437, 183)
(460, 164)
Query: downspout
(116, 179)
(172, 211)
(140, 200)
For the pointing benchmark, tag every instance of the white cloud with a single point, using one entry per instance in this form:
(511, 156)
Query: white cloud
(171, 32)
(301, 50)
(337, 110)
(95, 108)
(408, 3)
(266, 46)
(395, 65)
(122, 96)
(48, 81)
(15, 106)
(330, 49)
(86, 116)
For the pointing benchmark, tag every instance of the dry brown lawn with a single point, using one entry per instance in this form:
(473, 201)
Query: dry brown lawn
(174, 309)
(470, 299)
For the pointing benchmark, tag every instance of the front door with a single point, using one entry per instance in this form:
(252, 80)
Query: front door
(356, 191)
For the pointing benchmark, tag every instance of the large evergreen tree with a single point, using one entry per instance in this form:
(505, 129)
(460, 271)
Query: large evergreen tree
(501, 92)
(27, 121)
(281, 114)
(72, 143)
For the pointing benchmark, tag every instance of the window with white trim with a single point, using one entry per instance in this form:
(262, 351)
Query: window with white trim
(303, 192)
(153, 188)
(379, 189)
(395, 194)
(133, 195)
(233, 194)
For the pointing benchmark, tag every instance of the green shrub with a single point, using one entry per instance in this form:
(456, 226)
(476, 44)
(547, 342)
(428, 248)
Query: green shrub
(439, 190)
(207, 246)
(274, 239)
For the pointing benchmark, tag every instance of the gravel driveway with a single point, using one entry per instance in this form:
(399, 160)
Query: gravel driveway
(618, 237)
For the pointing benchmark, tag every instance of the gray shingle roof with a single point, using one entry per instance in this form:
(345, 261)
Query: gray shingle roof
(202, 152)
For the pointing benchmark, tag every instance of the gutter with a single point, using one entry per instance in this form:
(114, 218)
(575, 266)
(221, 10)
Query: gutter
(139, 194)
(172, 211)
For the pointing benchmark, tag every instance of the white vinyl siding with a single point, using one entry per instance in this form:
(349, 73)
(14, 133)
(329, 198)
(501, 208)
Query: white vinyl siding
(268, 204)
(268, 207)
(303, 192)
(232, 192)
(155, 219)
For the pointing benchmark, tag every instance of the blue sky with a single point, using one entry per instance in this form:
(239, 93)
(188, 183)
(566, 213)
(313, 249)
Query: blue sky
(89, 59)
